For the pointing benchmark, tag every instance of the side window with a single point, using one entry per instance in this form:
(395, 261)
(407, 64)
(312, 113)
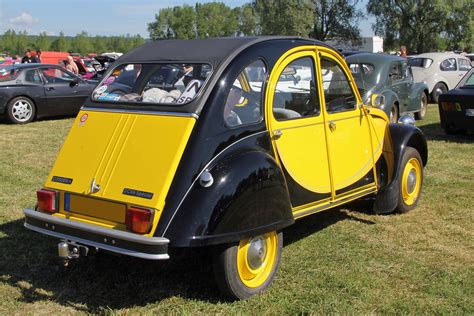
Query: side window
(295, 93)
(338, 93)
(32, 76)
(464, 65)
(448, 65)
(243, 104)
(396, 72)
(56, 75)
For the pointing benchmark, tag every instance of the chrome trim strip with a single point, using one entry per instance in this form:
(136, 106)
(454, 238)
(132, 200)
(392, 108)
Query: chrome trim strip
(156, 241)
(180, 114)
(99, 245)
(204, 169)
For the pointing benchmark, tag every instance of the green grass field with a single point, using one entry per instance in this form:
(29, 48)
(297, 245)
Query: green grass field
(339, 261)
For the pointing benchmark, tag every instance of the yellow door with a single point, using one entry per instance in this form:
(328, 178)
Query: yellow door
(296, 123)
(348, 130)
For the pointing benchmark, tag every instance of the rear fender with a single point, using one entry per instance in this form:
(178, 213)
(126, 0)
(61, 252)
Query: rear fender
(248, 197)
(390, 99)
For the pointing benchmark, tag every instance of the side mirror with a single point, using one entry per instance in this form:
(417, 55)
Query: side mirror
(75, 82)
(377, 100)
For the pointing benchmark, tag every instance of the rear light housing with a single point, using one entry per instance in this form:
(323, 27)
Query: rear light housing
(138, 220)
(48, 200)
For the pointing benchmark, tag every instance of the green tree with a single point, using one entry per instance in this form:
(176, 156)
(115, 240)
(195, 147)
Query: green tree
(459, 25)
(82, 43)
(60, 44)
(337, 19)
(161, 28)
(21, 42)
(285, 17)
(215, 19)
(247, 17)
(9, 40)
(43, 41)
(416, 24)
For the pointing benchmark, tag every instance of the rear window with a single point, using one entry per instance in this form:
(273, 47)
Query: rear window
(420, 62)
(8, 73)
(153, 83)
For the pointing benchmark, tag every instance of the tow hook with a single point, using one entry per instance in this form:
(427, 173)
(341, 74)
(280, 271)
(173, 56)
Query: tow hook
(69, 250)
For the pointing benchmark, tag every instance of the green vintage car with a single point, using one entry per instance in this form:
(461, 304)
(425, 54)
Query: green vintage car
(392, 77)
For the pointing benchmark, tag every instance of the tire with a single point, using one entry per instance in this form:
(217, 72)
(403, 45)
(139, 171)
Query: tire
(410, 180)
(249, 267)
(424, 107)
(438, 89)
(393, 114)
(21, 110)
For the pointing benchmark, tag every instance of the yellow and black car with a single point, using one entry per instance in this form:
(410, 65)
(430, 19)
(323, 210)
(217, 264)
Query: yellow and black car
(223, 142)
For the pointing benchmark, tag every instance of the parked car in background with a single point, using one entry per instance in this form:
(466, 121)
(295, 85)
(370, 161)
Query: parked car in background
(260, 136)
(440, 71)
(390, 76)
(31, 91)
(456, 107)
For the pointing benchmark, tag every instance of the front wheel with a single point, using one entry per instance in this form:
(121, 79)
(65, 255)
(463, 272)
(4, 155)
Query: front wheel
(248, 268)
(410, 180)
(424, 107)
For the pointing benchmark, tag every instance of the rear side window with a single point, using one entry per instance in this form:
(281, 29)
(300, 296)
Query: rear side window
(296, 95)
(8, 73)
(244, 100)
(420, 62)
(448, 65)
(32, 76)
(464, 64)
(338, 93)
(152, 83)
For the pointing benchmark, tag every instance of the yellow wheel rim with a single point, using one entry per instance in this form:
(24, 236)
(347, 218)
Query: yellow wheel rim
(411, 181)
(256, 258)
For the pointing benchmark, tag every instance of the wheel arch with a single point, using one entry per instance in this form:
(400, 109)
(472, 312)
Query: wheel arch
(24, 96)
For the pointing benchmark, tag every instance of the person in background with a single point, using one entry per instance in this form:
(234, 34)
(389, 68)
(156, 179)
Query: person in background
(38, 56)
(27, 59)
(71, 65)
(16, 59)
(403, 51)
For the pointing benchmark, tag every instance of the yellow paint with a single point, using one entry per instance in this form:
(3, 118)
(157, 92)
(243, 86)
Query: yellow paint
(301, 149)
(88, 206)
(254, 277)
(122, 150)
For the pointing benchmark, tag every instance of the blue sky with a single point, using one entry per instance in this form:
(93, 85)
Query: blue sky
(96, 17)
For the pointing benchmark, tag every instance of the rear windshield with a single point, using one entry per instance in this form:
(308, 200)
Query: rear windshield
(8, 73)
(152, 83)
(364, 73)
(420, 62)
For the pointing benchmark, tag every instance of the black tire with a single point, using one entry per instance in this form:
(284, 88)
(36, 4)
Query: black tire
(410, 180)
(393, 114)
(228, 275)
(424, 107)
(21, 110)
(438, 89)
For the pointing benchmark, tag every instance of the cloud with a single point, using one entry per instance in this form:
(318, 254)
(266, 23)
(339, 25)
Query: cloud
(24, 20)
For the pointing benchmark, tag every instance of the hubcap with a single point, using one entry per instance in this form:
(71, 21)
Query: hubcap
(22, 110)
(411, 181)
(256, 258)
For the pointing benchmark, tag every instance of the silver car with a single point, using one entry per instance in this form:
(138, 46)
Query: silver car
(440, 71)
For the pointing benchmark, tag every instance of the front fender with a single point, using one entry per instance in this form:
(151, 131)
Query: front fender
(248, 197)
(390, 99)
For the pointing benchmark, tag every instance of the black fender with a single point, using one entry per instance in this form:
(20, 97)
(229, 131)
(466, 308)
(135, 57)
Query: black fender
(402, 136)
(248, 197)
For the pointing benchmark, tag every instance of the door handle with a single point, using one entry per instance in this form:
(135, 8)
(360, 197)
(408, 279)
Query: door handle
(332, 126)
(277, 134)
(49, 88)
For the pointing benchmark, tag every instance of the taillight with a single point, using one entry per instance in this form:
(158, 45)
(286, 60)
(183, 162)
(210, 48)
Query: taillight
(47, 200)
(138, 220)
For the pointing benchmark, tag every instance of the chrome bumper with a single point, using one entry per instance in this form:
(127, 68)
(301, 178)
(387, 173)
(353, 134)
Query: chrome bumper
(125, 243)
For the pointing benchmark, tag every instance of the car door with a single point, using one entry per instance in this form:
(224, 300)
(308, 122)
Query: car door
(35, 88)
(350, 150)
(63, 93)
(296, 124)
(397, 80)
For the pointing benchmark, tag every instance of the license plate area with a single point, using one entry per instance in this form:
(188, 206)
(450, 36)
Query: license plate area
(102, 209)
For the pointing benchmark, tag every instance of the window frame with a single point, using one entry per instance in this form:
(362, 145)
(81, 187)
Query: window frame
(40, 76)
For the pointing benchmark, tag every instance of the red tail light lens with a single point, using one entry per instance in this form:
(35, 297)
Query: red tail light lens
(47, 200)
(138, 220)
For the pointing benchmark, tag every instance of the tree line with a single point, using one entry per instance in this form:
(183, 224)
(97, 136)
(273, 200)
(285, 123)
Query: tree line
(421, 25)
(17, 42)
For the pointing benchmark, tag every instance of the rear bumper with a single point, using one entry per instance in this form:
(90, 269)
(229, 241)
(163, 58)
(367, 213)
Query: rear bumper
(125, 243)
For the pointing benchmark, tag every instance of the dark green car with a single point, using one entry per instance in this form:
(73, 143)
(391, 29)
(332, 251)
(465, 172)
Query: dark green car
(392, 77)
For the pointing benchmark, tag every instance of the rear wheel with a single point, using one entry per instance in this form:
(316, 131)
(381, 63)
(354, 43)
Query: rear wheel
(21, 110)
(424, 107)
(394, 114)
(438, 89)
(248, 268)
(410, 180)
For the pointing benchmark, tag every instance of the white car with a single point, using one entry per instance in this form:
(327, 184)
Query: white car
(440, 71)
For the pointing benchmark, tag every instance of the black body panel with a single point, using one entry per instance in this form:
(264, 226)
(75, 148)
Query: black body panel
(457, 118)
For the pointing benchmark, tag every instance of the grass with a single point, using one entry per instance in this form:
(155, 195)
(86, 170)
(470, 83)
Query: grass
(340, 261)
